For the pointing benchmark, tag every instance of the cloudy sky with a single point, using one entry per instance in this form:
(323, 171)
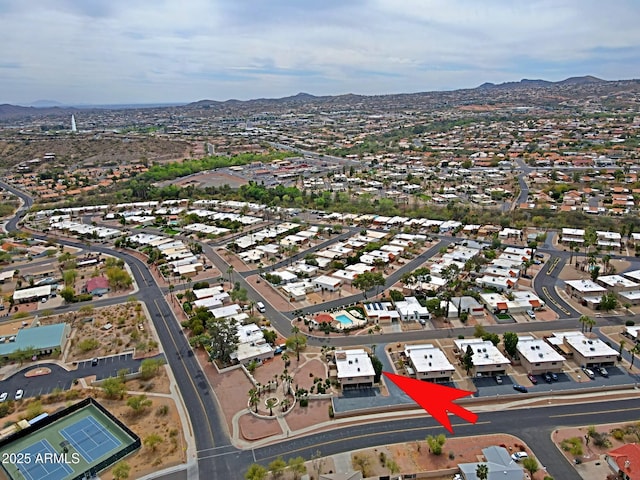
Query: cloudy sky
(148, 51)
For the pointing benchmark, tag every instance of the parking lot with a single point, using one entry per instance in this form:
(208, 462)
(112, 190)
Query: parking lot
(488, 386)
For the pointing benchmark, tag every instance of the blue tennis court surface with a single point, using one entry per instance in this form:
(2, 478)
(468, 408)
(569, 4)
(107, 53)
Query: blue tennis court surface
(90, 438)
(40, 469)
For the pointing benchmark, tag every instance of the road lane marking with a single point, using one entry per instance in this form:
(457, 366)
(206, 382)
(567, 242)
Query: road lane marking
(599, 412)
(365, 435)
(195, 389)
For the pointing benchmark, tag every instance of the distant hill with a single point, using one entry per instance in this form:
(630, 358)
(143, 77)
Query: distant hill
(8, 111)
(543, 83)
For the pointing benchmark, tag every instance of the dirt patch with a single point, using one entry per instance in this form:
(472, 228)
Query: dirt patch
(107, 331)
(415, 457)
(302, 417)
(253, 428)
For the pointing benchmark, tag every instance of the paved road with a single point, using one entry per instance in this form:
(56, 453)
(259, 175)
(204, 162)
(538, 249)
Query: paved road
(217, 458)
(533, 425)
(207, 424)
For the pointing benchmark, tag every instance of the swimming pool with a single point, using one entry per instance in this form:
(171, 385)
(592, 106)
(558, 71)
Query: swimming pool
(344, 320)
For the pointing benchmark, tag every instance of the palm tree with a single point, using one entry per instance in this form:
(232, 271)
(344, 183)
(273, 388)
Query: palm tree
(230, 273)
(622, 344)
(286, 402)
(634, 351)
(295, 330)
(171, 289)
(482, 472)
(271, 402)
(254, 399)
(584, 319)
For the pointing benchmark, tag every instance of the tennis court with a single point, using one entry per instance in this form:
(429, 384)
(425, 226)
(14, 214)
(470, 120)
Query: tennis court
(90, 438)
(83, 439)
(39, 467)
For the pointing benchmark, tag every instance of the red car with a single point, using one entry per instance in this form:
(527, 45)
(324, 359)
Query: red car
(532, 379)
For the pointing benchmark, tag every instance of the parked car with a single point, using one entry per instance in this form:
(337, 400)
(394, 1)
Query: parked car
(278, 351)
(547, 378)
(498, 379)
(553, 376)
(19, 394)
(3, 396)
(532, 378)
(603, 371)
(519, 456)
(94, 362)
(589, 373)
(520, 388)
(531, 314)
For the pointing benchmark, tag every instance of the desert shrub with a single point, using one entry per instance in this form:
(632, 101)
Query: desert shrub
(88, 344)
(162, 410)
(572, 445)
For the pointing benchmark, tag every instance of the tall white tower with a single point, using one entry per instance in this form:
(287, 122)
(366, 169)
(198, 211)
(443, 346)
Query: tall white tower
(73, 124)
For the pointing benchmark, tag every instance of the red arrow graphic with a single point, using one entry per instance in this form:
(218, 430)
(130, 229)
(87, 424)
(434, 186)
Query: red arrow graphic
(436, 399)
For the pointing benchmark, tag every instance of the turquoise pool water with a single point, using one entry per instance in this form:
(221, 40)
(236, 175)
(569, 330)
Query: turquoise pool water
(344, 320)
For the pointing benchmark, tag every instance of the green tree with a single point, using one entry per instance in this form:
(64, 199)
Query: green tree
(69, 277)
(482, 471)
(68, 294)
(510, 340)
(138, 403)
(609, 301)
(297, 342)
(270, 403)
(297, 467)
(152, 441)
(436, 443)
(634, 351)
(367, 280)
(121, 471)
(277, 467)
(530, 464)
(467, 359)
(149, 367)
(256, 472)
(113, 387)
(119, 278)
(224, 338)
(254, 399)
(377, 368)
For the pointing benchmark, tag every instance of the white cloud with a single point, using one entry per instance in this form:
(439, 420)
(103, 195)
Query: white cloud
(145, 51)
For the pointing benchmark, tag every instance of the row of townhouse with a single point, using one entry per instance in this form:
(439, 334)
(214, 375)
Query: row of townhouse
(626, 286)
(536, 355)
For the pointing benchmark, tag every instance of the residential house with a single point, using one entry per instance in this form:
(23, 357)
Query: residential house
(428, 362)
(487, 359)
(537, 356)
(500, 465)
(625, 461)
(355, 369)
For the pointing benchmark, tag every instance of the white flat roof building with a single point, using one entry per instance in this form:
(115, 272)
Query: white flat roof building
(429, 362)
(354, 368)
(487, 359)
(586, 351)
(537, 356)
(31, 293)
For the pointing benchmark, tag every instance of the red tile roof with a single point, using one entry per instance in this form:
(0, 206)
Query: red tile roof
(627, 457)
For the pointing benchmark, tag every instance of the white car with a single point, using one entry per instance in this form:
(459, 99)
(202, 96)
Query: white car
(19, 394)
(531, 314)
(519, 456)
(3, 396)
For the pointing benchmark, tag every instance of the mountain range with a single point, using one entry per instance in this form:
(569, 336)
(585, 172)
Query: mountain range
(52, 108)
